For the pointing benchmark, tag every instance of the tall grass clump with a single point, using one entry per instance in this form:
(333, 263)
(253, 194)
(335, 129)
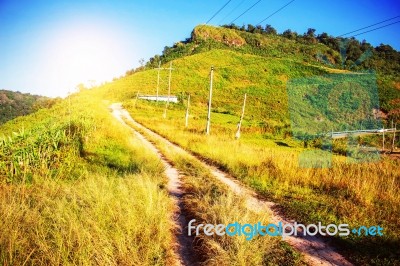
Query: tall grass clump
(47, 152)
(105, 220)
(77, 188)
(209, 201)
(345, 193)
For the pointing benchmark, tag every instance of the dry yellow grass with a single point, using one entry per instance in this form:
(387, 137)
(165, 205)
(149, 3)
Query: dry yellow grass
(107, 208)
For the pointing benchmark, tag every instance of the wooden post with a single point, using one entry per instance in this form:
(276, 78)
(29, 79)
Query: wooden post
(394, 136)
(137, 96)
(209, 102)
(187, 112)
(169, 81)
(169, 90)
(69, 113)
(158, 80)
(383, 139)
(237, 136)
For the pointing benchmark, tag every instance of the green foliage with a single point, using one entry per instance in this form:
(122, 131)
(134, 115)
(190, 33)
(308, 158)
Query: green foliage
(13, 104)
(320, 51)
(81, 166)
(40, 153)
(77, 188)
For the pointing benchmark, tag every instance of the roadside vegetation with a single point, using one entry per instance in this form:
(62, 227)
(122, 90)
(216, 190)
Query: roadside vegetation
(266, 156)
(346, 193)
(77, 188)
(208, 201)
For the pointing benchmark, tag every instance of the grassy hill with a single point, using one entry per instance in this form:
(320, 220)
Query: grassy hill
(264, 81)
(266, 157)
(77, 188)
(252, 63)
(13, 104)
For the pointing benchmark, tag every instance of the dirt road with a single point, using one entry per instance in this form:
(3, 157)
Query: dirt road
(316, 250)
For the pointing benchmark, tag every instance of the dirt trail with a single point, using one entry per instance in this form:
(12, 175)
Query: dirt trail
(316, 250)
(183, 256)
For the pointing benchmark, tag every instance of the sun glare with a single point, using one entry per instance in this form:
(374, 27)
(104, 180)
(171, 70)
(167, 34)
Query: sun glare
(83, 53)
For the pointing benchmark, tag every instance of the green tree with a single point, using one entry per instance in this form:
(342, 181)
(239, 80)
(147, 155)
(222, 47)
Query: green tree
(394, 113)
(309, 36)
(258, 29)
(250, 28)
(270, 30)
(292, 35)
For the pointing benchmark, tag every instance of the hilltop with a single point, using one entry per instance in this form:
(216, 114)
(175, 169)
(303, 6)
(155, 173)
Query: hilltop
(259, 63)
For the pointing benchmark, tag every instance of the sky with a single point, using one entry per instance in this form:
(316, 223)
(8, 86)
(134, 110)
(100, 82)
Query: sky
(49, 47)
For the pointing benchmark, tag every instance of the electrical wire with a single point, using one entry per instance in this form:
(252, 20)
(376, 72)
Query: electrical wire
(246, 11)
(275, 12)
(233, 10)
(368, 26)
(384, 26)
(216, 13)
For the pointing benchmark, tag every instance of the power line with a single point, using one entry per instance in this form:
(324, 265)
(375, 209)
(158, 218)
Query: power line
(377, 28)
(275, 12)
(368, 26)
(216, 13)
(232, 11)
(246, 11)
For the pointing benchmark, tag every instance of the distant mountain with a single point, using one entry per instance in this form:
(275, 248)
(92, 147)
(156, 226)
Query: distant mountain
(14, 104)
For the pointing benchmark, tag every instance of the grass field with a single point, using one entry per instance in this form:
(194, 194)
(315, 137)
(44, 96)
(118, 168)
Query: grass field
(266, 156)
(208, 201)
(345, 193)
(84, 192)
(78, 188)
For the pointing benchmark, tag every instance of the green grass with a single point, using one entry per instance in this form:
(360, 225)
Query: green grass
(345, 193)
(208, 201)
(263, 79)
(77, 188)
(266, 157)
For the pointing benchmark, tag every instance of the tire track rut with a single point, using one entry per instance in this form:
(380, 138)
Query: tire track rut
(184, 253)
(316, 250)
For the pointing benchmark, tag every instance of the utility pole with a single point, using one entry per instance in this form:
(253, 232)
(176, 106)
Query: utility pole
(158, 79)
(169, 90)
(209, 102)
(69, 113)
(237, 136)
(383, 139)
(394, 136)
(187, 112)
(136, 99)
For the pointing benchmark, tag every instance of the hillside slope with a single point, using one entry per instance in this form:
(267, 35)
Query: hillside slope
(263, 78)
(266, 158)
(13, 104)
(257, 64)
(83, 190)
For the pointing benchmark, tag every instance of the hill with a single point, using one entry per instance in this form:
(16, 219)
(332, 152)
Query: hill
(266, 158)
(259, 64)
(77, 187)
(14, 104)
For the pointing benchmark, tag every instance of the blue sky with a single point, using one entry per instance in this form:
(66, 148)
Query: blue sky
(48, 47)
